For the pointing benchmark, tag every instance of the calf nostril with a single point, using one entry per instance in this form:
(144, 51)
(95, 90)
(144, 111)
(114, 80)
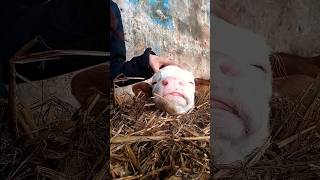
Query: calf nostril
(227, 69)
(165, 82)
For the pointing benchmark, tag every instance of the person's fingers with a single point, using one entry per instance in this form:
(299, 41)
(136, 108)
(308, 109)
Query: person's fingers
(174, 63)
(171, 61)
(160, 62)
(156, 68)
(153, 68)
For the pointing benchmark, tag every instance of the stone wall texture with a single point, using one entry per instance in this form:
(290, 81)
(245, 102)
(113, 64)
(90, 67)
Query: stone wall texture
(290, 26)
(179, 29)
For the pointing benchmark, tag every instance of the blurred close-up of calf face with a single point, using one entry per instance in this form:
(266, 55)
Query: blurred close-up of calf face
(240, 90)
(174, 89)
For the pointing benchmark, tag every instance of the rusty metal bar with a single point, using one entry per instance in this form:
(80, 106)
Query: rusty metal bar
(21, 58)
(12, 101)
(55, 54)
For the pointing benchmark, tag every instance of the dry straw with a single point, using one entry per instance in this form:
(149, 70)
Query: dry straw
(149, 144)
(50, 139)
(56, 142)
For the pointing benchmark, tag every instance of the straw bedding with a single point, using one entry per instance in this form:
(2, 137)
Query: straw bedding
(56, 142)
(149, 144)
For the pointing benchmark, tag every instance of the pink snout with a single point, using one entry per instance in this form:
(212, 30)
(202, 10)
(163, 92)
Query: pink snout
(172, 81)
(178, 92)
(229, 69)
(174, 86)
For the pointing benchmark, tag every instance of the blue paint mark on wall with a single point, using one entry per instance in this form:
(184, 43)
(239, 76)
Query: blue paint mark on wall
(153, 2)
(133, 1)
(157, 48)
(161, 13)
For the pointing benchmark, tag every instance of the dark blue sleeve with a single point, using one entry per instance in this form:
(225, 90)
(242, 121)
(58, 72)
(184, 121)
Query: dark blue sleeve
(137, 66)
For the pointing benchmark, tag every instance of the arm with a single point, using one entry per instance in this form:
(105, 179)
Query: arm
(137, 66)
(142, 66)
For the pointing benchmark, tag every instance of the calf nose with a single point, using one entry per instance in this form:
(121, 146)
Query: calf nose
(225, 65)
(165, 82)
(228, 69)
(171, 81)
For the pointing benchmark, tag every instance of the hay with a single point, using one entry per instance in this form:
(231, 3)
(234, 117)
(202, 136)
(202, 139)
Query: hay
(53, 143)
(56, 141)
(50, 139)
(149, 144)
(293, 150)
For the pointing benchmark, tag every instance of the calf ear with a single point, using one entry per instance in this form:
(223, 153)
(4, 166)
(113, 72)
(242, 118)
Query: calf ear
(292, 85)
(203, 82)
(202, 85)
(283, 64)
(142, 90)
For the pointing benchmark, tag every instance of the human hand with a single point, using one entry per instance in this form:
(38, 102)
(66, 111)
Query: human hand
(157, 62)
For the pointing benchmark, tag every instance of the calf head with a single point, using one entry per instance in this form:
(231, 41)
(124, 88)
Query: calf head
(173, 89)
(241, 92)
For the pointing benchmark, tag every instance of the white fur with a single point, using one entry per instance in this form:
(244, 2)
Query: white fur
(249, 89)
(187, 88)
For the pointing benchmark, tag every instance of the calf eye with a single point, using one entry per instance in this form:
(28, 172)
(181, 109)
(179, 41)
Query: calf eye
(153, 83)
(191, 83)
(259, 67)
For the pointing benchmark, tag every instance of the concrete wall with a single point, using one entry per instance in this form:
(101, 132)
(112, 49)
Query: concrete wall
(290, 26)
(179, 29)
